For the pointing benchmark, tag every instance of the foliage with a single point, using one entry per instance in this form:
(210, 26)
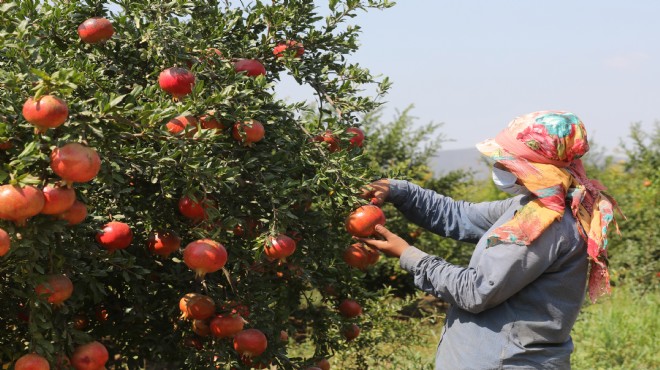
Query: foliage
(287, 182)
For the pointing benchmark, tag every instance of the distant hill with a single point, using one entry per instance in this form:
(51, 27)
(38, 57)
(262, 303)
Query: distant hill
(460, 159)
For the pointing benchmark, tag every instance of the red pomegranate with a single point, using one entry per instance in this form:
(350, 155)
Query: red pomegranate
(57, 199)
(196, 306)
(176, 81)
(280, 50)
(31, 361)
(226, 326)
(47, 112)
(80, 322)
(201, 328)
(95, 30)
(178, 124)
(251, 67)
(331, 141)
(358, 137)
(248, 132)
(5, 242)
(75, 163)
(193, 342)
(6, 145)
(20, 203)
(248, 228)
(351, 332)
(349, 308)
(115, 235)
(279, 247)
(57, 289)
(90, 356)
(203, 257)
(194, 210)
(163, 242)
(323, 364)
(208, 122)
(74, 215)
(362, 221)
(250, 343)
(360, 256)
(236, 308)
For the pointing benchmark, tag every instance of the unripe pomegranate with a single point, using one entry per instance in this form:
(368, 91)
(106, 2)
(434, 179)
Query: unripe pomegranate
(47, 112)
(74, 215)
(31, 361)
(57, 289)
(349, 308)
(248, 132)
(20, 203)
(251, 67)
(75, 163)
(203, 257)
(362, 222)
(57, 199)
(279, 50)
(359, 256)
(351, 332)
(250, 343)
(95, 30)
(5, 242)
(227, 325)
(90, 356)
(194, 210)
(201, 328)
(323, 364)
(177, 81)
(163, 242)
(178, 124)
(115, 235)
(358, 137)
(279, 247)
(196, 306)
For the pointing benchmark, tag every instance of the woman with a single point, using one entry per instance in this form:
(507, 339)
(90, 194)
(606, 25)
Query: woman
(516, 302)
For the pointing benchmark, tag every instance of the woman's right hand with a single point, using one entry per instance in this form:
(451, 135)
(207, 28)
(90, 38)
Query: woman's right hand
(377, 191)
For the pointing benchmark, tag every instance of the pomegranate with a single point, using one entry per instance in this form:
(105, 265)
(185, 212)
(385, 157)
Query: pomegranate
(74, 215)
(236, 308)
(178, 124)
(208, 122)
(284, 336)
(251, 67)
(20, 203)
(80, 322)
(5, 242)
(194, 210)
(196, 306)
(102, 314)
(75, 163)
(90, 356)
(95, 30)
(6, 145)
(47, 112)
(226, 326)
(280, 50)
(203, 257)
(115, 235)
(193, 342)
(250, 343)
(176, 81)
(323, 364)
(31, 361)
(362, 221)
(56, 289)
(351, 332)
(331, 141)
(57, 199)
(279, 247)
(248, 132)
(349, 308)
(360, 256)
(358, 137)
(248, 228)
(163, 242)
(201, 328)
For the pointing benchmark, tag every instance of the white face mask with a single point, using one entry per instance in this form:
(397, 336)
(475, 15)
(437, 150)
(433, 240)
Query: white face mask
(506, 181)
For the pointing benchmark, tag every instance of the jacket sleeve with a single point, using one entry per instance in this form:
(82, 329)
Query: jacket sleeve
(502, 271)
(442, 215)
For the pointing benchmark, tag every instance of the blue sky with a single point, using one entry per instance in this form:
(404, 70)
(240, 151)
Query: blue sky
(475, 65)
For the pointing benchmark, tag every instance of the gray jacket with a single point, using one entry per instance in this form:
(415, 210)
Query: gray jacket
(513, 306)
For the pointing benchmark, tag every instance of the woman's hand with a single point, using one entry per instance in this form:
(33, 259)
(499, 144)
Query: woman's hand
(393, 245)
(377, 191)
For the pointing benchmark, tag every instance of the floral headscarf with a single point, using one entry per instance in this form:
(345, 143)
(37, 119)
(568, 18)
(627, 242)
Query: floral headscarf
(543, 150)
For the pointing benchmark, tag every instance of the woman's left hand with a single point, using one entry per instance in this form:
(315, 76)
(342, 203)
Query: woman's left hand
(393, 245)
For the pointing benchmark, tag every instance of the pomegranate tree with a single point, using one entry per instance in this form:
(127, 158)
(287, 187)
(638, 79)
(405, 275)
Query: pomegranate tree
(46, 112)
